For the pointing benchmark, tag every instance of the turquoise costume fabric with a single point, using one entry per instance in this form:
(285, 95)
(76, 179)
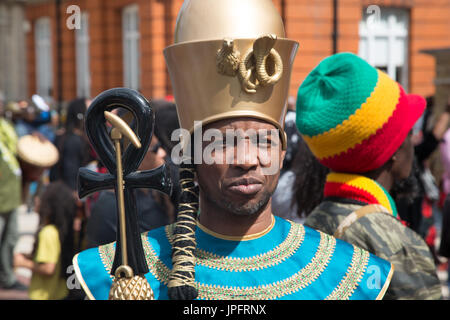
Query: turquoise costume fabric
(290, 261)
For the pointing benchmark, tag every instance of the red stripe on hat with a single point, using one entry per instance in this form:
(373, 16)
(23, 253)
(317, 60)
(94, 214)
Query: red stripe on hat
(342, 190)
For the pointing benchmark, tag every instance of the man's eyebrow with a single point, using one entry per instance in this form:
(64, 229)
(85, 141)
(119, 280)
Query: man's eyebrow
(264, 132)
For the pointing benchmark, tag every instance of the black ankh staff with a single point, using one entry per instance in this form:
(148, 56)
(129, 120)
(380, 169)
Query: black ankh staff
(90, 181)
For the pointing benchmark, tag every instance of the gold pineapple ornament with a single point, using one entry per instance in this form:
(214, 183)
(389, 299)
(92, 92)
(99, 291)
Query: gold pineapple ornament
(126, 285)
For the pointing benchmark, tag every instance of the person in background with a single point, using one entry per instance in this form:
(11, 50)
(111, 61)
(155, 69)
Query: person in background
(166, 122)
(426, 141)
(75, 152)
(357, 122)
(102, 223)
(444, 247)
(25, 115)
(35, 115)
(73, 146)
(282, 203)
(53, 249)
(293, 136)
(10, 200)
(311, 173)
(22, 162)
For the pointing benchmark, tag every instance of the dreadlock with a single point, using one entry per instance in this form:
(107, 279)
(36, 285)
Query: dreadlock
(182, 278)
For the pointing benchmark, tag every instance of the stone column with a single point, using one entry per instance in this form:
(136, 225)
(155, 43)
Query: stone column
(13, 81)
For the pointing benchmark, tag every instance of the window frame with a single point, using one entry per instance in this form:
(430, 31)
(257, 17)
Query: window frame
(82, 48)
(131, 47)
(398, 29)
(44, 57)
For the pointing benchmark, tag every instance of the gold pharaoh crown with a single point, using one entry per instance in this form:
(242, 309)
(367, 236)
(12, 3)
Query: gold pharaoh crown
(230, 59)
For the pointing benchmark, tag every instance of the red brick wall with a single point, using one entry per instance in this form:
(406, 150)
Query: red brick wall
(307, 21)
(310, 23)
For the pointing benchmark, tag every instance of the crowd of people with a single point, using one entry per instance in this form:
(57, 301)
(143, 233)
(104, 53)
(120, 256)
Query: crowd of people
(43, 175)
(41, 153)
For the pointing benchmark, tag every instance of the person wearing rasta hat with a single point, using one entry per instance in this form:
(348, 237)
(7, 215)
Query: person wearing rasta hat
(357, 122)
(230, 69)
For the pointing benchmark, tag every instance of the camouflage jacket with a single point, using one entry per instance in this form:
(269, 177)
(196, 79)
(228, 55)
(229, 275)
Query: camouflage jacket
(383, 235)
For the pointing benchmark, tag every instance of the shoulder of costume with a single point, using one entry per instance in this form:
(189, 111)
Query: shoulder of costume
(364, 276)
(342, 271)
(93, 266)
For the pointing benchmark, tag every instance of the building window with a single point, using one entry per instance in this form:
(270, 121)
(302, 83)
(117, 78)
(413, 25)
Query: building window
(44, 68)
(384, 41)
(131, 47)
(82, 60)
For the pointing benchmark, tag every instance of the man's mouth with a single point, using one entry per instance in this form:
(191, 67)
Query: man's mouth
(245, 186)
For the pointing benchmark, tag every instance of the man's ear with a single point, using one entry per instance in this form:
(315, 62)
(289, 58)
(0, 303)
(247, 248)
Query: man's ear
(283, 154)
(395, 155)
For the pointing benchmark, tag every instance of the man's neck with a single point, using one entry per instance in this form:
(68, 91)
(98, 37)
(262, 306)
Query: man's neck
(230, 224)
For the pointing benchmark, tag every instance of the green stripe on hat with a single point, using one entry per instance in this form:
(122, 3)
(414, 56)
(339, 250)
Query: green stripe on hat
(333, 91)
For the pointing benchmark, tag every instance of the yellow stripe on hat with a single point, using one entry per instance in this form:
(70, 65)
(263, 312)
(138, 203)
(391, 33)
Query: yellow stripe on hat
(365, 122)
(363, 183)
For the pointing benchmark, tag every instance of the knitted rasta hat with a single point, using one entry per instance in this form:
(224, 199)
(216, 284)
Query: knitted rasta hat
(352, 116)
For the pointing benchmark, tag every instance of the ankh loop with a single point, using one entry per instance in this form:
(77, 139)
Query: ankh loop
(99, 135)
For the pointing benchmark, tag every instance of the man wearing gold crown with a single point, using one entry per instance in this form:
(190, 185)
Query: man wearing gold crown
(230, 68)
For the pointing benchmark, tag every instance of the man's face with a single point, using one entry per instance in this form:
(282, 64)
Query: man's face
(241, 183)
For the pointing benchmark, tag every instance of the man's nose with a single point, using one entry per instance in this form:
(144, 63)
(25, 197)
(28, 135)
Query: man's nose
(246, 154)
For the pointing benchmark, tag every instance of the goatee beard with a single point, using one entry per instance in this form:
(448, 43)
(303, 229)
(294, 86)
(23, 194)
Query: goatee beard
(239, 209)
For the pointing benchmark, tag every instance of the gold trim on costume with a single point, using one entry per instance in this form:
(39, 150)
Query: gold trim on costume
(80, 279)
(273, 257)
(353, 276)
(237, 238)
(107, 256)
(296, 282)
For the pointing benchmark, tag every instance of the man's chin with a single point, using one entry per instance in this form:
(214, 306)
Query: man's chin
(248, 207)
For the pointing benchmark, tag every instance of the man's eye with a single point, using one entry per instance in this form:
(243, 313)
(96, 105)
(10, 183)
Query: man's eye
(224, 143)
(264, 142)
